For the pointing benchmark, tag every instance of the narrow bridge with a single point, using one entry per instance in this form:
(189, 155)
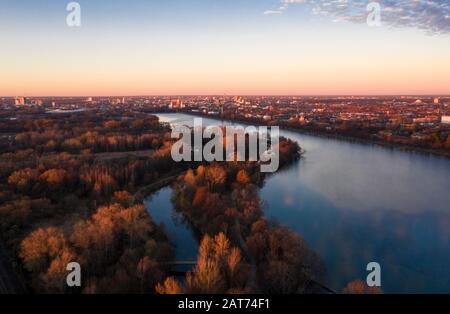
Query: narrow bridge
(179, 273)
(182, 263)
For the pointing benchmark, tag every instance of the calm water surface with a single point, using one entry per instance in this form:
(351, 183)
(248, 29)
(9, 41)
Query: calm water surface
(353, 203)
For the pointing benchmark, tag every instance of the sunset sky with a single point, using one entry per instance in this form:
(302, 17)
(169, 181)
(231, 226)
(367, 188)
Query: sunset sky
(302, 47)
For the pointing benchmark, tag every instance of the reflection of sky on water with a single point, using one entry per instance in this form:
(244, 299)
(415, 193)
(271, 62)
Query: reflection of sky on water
(160, 208)
(364, 177)
(357, 203)
(413, 249)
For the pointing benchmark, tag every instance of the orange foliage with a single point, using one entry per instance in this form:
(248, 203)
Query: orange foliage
(360, 287)
(40, 246)
(200, 197)
(242, 177)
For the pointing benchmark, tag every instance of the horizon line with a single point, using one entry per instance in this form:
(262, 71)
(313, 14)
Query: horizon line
(230, 95)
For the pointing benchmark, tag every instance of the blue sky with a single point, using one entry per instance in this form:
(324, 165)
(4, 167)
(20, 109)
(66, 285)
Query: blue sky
(426, 14)
(231, 46)
(432, 16)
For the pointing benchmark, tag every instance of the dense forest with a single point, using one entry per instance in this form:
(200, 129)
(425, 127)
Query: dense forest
(67, 186)
(72, 188)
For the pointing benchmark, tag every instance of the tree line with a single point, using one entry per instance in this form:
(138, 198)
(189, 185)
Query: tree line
(66, 195)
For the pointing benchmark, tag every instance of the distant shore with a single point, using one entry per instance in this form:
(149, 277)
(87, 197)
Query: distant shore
(425, 151)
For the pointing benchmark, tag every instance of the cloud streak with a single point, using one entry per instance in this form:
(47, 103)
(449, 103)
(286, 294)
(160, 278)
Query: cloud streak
(432, 16)
(272, 12)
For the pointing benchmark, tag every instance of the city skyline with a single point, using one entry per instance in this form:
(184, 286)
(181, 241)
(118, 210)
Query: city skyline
(222, 47)
(431, 96)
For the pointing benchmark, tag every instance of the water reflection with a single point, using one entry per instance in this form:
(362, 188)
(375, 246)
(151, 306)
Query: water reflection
(181, 235)
(356, 203)
(364, 177)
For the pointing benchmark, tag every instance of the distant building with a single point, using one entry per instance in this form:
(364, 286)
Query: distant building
(301, 119)
(445, 119)
(18, 101)
(37, 102)
(176, 104)
(116, 101)
(436, 100)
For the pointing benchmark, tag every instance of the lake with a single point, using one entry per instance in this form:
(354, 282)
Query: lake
(353, 203)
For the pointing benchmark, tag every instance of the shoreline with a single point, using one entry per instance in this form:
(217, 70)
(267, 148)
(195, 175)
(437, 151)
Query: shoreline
(393, 146)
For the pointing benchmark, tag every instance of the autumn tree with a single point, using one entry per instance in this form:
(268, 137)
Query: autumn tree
(242, 177)
(24, 179)
(360, 287)
(287, 265)
(40, 247)
(124, 198)
(215, 176)
(219, 269)
(206, 276)
(46, 254)
(54, 177)
(170, 286)
(127, 238)
(54, 279)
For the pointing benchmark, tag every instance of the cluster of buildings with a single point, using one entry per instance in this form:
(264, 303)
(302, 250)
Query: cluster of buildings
(401, 117)
(385, 110)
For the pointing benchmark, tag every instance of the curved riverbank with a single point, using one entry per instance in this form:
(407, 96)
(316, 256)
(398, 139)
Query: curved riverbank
(355, 203)
(400, 147)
